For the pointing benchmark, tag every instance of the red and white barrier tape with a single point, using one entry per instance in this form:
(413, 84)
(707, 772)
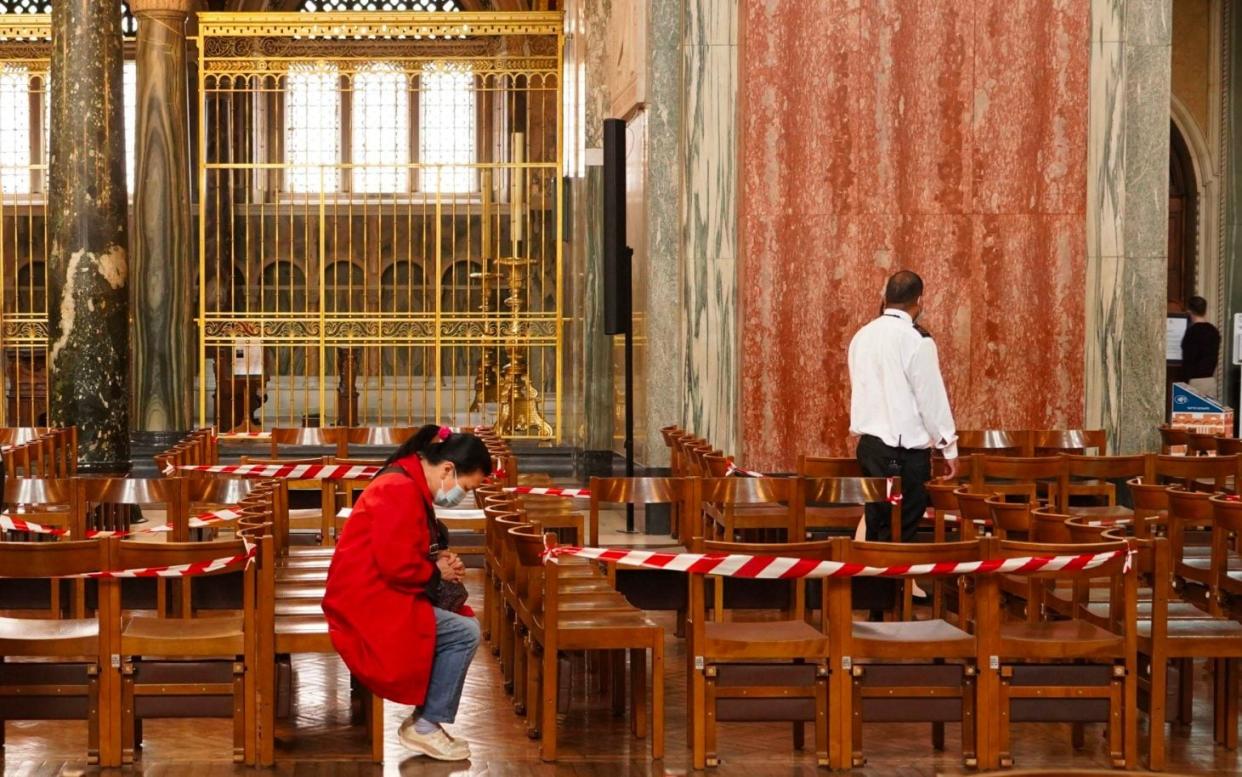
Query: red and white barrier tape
(9, 523)
(200, 521)
(182, 570)
(575, 493)
(734, 471)
(289, 471)
(781, 568)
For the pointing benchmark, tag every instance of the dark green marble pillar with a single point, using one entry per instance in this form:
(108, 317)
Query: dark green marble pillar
(88, 274)
(163, 317)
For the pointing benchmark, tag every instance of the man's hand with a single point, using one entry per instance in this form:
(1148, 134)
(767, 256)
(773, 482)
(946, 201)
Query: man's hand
(954, 466)
(451, 568)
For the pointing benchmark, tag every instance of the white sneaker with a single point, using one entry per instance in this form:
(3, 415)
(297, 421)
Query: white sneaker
(437, 744)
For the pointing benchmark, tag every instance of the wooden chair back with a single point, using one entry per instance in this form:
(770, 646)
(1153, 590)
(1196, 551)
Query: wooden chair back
(335, 437)
(1049, 526)
(1201, 444)
(829, 467)
(973, 511)
(1197, 471)
(109, 504)
(729, 504)
(1022, 475)
(378, 436)
(1010, 520)
(856, 491)
(1172, 439)
(1053, 441)
(639, 492)
(1228, 446)
(991, 442)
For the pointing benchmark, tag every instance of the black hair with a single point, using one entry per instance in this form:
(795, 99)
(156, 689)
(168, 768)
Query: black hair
(1197, 305)
(466, 452)
(904, 288)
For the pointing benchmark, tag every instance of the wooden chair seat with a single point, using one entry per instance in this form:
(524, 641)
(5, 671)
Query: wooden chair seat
(1177, 610)
(1227, 632)
(293, 608)
(583, 585)
(1078, 638)
(597, 624)
(893, 638)
(183, 636)
(302, 635)
(48, 637)
(593, 602)
(309, 551)
(778, 639)
(300, 575)
(301, 591)
(307, 562)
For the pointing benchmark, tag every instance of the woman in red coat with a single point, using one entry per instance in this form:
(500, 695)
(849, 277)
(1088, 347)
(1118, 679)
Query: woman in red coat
(391, 554)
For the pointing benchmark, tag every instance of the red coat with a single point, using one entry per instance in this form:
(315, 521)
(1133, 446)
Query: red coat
(379, 621)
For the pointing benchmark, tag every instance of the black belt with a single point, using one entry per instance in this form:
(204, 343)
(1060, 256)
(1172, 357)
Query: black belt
(895, 448)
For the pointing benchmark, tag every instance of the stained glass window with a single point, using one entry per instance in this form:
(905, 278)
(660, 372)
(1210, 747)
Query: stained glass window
(380, 129)
(446, 129)
(313, 128)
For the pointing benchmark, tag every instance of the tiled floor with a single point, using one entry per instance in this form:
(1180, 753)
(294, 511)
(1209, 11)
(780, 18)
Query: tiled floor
(593, 742)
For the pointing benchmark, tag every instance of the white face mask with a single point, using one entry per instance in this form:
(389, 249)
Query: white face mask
(452, 497)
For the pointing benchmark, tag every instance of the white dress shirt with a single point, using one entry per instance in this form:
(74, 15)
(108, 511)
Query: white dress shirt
(896, 391)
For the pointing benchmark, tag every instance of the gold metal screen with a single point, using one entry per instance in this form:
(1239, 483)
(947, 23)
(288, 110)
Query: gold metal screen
(25, 52)
(380, 228)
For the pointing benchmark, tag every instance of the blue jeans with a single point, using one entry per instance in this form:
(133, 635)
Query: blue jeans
(457, 637)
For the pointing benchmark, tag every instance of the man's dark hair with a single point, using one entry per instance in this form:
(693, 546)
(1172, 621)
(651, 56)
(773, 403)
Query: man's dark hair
(904, 288)
(1197, 305)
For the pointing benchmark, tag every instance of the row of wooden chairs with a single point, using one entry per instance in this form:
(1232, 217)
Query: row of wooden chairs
(1193, 443)
(139, 665)
(200, 447)
(540, 614)
(1199, 584)
(39, 452)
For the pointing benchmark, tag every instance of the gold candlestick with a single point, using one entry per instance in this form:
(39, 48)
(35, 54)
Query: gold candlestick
(521, 409)
(487, 376)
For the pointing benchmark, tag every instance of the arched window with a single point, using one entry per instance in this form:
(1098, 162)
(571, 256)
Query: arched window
(403, 290)
(32, 288)
(284, 291)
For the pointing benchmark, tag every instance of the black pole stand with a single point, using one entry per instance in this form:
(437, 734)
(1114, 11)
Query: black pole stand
(628, 258)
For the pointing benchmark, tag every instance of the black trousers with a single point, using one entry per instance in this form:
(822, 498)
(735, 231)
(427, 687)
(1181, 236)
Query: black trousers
(914, 469)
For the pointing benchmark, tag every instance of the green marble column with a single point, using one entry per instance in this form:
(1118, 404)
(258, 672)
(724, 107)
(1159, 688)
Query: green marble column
(161, 292)
(88, 273)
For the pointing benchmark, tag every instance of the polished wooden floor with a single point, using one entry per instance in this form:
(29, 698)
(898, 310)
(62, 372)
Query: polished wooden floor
(592, 741)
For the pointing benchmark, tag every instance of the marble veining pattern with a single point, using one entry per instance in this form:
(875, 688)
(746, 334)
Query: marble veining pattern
(1126, 220)
(709, 220)
(944, 136)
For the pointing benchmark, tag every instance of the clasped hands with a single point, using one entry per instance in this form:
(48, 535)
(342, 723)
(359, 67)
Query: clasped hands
(452, 568)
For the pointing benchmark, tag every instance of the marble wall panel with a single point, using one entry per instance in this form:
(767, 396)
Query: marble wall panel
(709, 91)
(948, 137)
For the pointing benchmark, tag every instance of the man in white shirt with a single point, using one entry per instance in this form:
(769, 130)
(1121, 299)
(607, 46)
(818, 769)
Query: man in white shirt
(898, 405)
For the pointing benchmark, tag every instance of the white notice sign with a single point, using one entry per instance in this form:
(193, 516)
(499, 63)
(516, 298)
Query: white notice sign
(247, 356)
(1174, 332)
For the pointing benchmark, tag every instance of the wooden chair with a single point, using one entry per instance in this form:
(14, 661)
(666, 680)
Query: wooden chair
(1054, 441)
(1190, 514)
(390, 437)
(1162, 639)
(71, 676)
(896, 671)
(1208, 473)
(112, 504)
(333, 437)
(738, 670)
(992, 442)
(1201, 444)
(1173, 441)
(172, 667)
(1023, 476)
(636, 492)
(1069, 659)
(1228, 446)
(733, 507)
(326, 513)
(1095, 478)
(557, 630)
(824, 498)
(1226, 555)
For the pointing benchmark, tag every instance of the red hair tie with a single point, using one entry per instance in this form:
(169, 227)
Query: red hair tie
(444, 433)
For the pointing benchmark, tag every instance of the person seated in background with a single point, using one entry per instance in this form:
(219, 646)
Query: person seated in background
(1200, 349)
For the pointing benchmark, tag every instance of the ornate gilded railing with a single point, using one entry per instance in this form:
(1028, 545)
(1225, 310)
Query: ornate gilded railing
(418, 278)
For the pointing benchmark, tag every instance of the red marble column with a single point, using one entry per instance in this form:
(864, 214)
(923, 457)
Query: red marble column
(944, 136)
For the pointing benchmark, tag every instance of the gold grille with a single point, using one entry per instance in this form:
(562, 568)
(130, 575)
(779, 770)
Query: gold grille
(379, 211)
(24, 63)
